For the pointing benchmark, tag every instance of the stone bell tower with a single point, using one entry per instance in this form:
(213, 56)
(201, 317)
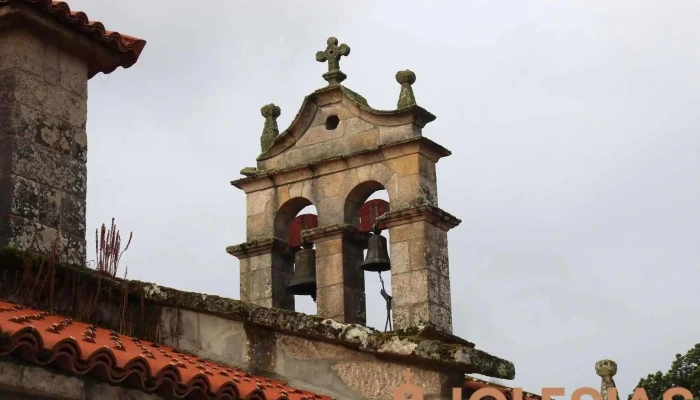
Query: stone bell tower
(336, 153)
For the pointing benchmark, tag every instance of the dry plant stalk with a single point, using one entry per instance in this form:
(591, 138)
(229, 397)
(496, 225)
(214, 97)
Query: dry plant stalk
(108, 249)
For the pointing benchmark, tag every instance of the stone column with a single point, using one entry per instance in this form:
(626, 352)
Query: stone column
(43, 146)
(420, 276)
(267, 266)
(340, 280)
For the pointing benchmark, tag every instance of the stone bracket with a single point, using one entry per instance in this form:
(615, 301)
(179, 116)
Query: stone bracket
(423, 212)
(325, 233)
(257, 247)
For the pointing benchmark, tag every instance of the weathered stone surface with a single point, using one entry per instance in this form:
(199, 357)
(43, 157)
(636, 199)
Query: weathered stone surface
(395, 134)
(606, 369)
(20, 50)
(377, 380)
(209, 337)
(21, 382)
(43, 113)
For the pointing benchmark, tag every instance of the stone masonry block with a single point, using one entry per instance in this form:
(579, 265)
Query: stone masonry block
(445, 298)
(377, 379)
(261, 283)
(56, 134)
(406, 165)
(22, 87)
(36, 202)
(318, 134)
(39, 379)
(18, 119)
(258, 202)
(65, 105)
(329, 269)
(259, 226)
(72, 215)
(314, 152)
(393, 134)
(342, 303)
(357, 125)
(404, 232)
(415, 190)
(329, 185)
(331, 211)
(415, 287)
(80, 145)
(73, 75)
(362, 141)
(51, 71)
(330, 303)
(328, 247)
(422, 314)
(363, 172)
(246, 282)
(427, 168)
(47, 167)
(282, 193)
(399, 257)
(21, 50)
(380, 173)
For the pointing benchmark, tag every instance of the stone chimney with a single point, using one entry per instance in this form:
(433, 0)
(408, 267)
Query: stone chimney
(47, 55)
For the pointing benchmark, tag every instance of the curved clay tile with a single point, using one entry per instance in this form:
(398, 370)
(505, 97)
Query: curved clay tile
(129, 48)
(79, 348)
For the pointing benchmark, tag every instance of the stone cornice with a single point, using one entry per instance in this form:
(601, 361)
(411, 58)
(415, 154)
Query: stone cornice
(263, 179)
(448, 353)
(257, 247)
(324, 233)
(423, 212)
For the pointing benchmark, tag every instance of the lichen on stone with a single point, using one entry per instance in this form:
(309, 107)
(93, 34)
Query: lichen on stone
(270, 131)
(406, 97)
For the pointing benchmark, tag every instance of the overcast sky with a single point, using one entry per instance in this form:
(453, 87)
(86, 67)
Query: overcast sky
(575, 129)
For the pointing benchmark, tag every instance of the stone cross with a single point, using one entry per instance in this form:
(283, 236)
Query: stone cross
(332, 54)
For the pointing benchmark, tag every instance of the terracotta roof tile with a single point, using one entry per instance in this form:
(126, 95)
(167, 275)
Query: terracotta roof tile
(42, 338)
(129, 48)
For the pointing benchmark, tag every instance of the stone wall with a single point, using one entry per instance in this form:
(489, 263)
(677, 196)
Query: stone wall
(43, 146)
(22, 382)
(325, 368)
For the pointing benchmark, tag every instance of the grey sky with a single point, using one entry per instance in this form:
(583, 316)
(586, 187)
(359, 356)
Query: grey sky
(575, 131)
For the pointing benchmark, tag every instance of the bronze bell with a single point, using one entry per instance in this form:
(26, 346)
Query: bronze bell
(377, 259)
(303, 282)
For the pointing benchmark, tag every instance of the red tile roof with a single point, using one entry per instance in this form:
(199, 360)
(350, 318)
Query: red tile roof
(42, 338)
(128, 48)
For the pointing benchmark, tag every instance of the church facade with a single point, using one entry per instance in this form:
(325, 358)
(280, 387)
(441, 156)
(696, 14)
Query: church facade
(70, 332)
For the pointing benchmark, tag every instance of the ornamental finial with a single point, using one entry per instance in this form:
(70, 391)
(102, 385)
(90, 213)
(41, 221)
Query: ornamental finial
(270, 131)
(406, 79)
(332, 54)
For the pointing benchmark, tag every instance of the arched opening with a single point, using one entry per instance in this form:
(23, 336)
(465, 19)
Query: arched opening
(294, 216)
(376, 303)
(366, 202)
